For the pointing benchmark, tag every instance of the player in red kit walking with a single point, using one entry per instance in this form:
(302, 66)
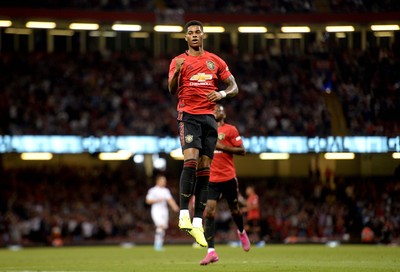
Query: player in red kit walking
(194, 76)
(253, 211)
(223, 183)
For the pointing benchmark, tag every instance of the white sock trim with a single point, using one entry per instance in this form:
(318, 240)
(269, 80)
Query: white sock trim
(210, 250)
(184, 213)
(197, 222)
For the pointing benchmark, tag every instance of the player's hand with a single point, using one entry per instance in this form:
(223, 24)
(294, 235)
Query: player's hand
(219, 146)
(179, 64)
(214, 96)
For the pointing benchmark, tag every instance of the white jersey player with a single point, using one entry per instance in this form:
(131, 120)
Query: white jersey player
(159, 197)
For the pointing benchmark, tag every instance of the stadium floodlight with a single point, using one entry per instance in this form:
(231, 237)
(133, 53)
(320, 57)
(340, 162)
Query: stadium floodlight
(121, 155)
(168, 28)
(138, 158)
(18, 31)
(159, 163)
(385, 27)
(339, 28)
(252, 29)
(5, 23)
(83, 26)
(274, 156)
(36, 156)
(176, 154)
(61, 32)
(126, 27)
(213, 29)
(41, 25)
(295, 29)
(339, 156)
(396, 155)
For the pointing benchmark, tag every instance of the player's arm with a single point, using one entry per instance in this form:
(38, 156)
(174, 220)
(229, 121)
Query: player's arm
(173, 205)
(231, 87)
(243, 203)
(253, 204)
(151, 201)
(230, 91)
(236, 150)
(173, 80)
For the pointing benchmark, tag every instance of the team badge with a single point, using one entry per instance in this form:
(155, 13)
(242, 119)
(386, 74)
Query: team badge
(210, 65)
(221, 136)
(189, 138)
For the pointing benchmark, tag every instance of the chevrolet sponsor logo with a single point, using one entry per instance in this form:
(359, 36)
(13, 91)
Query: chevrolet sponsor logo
(201, 77)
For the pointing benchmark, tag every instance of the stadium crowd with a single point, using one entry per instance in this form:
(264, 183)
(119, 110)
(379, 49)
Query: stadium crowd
(217, 6)
(100, 204)
(213, 6)
(121, 93)
(347, 6)
(369, 90)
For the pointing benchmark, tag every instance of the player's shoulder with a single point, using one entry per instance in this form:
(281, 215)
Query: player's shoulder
(212, 55)
(150, 191)
(230, 127)
(173, 60)
(183, 55)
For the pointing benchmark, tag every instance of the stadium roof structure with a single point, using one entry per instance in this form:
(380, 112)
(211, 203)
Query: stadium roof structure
(63, 17)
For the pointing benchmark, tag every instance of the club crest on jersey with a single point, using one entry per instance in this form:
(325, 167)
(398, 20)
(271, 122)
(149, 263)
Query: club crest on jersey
(201, 77)
(189, 138)
(210, 65)
(221, 136)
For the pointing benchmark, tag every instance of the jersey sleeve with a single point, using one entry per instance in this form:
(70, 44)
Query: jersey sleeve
(172, 66)
(150, 195)
(235, 138)
(168, 194)
(223, 70)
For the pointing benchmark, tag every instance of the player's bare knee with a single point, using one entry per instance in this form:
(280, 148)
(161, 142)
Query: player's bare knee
(210, 211)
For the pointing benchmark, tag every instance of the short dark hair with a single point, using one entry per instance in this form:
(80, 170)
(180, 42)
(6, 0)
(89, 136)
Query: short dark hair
(193, 23)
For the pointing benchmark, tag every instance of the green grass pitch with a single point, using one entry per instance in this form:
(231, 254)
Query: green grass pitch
(178, 258)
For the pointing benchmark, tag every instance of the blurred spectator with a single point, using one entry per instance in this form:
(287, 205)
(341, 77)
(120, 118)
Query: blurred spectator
(117, 94)
(211, 6)
(369, 91)
(214, 6)
(73, 205)
(351, 6)
(83, 204)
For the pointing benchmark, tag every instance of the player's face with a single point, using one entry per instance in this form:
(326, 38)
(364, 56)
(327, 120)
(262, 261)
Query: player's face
(162, 181)
(194, 36)
(219, 113)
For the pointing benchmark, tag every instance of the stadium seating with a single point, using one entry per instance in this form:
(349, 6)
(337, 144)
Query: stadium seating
(103, 205)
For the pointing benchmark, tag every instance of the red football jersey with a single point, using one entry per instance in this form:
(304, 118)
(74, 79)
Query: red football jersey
(253, 214)
(199, 76)
(222, 166)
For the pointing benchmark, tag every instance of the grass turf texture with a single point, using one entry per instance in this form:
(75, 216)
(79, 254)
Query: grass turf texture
(185, 258)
